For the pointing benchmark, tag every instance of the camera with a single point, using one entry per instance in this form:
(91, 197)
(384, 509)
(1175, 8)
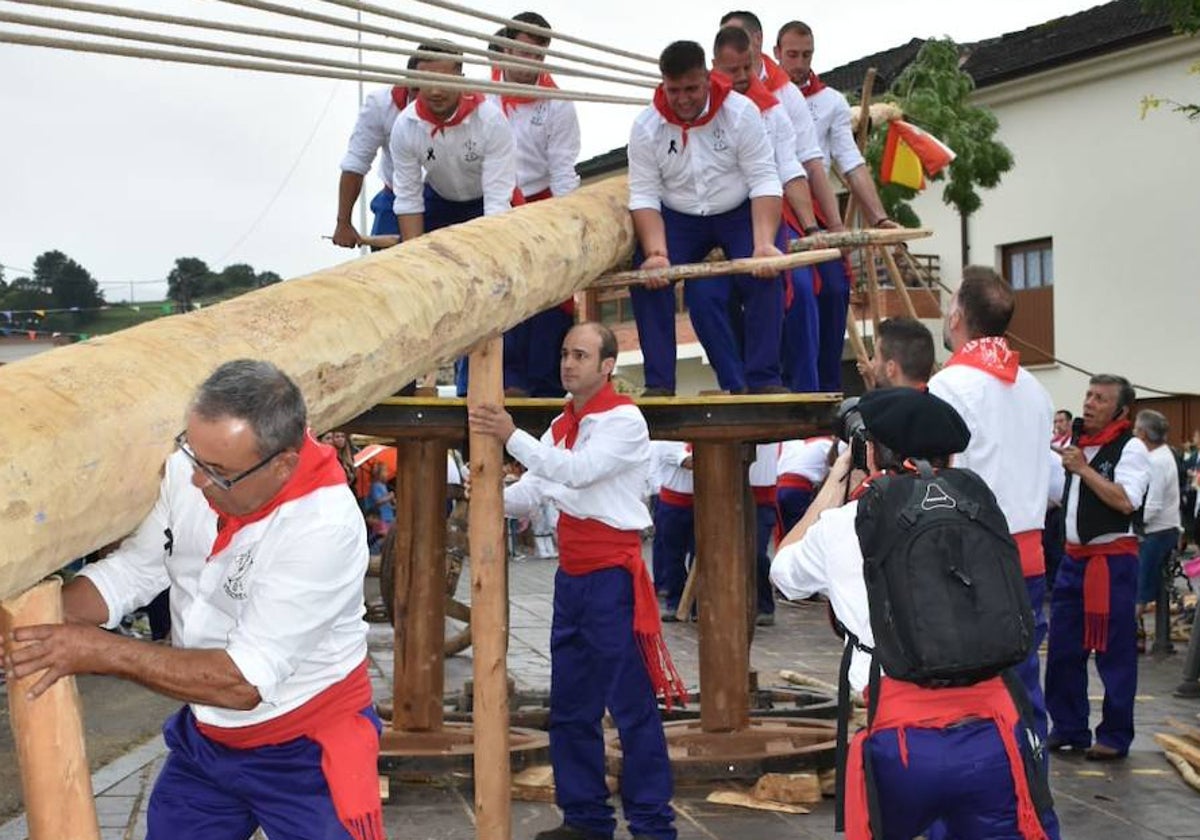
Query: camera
(848, 426)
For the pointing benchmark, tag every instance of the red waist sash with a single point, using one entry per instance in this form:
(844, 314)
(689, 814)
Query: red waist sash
(794, 481)
(763, 495)
(349, 748)
(675, 497)
(1033, 555)
(1096, 588)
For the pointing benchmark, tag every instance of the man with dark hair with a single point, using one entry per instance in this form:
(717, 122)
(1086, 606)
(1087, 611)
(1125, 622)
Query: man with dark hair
(606, 647)
(1107, 471)
(1008, 412)
(903, 355)
(255, 531)
(955, 754)
(546, 145)
(1061, 435)
(702, 174)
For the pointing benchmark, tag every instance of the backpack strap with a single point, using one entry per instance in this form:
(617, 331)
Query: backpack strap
(874, 812)
(1033, 757)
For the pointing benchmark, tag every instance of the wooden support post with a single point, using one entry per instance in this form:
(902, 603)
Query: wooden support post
(898, 279)
(489, 604)
(724, 569)
(923, 276)
(48, 731)
(872, 287)
(420, 615)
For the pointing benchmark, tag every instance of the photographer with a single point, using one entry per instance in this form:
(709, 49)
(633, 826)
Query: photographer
(955, 754)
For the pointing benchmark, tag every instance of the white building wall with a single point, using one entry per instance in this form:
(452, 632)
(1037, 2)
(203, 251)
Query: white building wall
(1119, 196)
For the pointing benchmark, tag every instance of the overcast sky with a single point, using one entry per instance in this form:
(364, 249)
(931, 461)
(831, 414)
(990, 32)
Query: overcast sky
(127, 164)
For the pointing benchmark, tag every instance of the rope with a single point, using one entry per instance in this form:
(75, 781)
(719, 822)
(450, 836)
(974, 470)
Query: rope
(448, 82)
(498, 40)
(534, 29)
(495, 59)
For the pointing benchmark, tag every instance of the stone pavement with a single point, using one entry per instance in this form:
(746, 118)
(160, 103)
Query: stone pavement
(1140, 798)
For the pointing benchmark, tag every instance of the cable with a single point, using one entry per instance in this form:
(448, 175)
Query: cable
(305, 69)
(28, 271)
(494, 59)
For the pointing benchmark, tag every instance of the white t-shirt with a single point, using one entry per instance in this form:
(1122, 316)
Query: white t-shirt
(1162, 497)
(832, 119)
(372, 133)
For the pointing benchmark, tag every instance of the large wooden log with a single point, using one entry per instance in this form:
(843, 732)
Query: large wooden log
(85, 428)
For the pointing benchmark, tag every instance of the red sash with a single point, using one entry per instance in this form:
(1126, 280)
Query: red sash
(719, 90)
(763, 495)
(318, 467)
(903, 705)
(675, 498)
(400, 97)
(467, 103)
(349, 748)
(1096, 590)
(812, 85)
(795, 481)
(990, 354)
(1033, 555)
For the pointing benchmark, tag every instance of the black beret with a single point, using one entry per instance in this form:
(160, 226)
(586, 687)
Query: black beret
(913, 423)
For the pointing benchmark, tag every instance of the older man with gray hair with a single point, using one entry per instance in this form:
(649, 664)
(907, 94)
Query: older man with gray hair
(1160, 515)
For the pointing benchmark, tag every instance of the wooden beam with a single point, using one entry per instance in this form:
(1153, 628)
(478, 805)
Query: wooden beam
(51, 750)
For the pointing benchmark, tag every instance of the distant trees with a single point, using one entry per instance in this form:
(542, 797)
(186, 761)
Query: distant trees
(58, 282)
(192, 278)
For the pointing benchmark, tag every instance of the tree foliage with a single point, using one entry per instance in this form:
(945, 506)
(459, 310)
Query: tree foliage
(935, 95)
(1185, 19)
(191, 278)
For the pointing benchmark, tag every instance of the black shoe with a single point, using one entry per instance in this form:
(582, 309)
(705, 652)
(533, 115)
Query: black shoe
(668, 615)
(569, 832)
(657, 392)
(765, 620)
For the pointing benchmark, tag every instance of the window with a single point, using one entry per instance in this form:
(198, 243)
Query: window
(1029, 267)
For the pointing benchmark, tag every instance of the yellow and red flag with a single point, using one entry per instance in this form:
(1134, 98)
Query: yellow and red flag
(910, 154)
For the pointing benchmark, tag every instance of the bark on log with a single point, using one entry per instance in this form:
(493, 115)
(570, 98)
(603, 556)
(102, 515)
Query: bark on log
(85, 428)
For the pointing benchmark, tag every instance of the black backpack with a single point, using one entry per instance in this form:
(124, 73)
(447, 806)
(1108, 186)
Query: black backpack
(947, 596)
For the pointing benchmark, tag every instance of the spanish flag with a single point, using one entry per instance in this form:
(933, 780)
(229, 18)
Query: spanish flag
(910, 154)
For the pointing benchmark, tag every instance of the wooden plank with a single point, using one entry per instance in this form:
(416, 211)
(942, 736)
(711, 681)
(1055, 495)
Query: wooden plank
(717, 268)
(745, 800)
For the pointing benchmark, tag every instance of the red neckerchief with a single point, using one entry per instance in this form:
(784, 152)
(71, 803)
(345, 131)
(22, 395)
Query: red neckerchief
(400, 97)
(1106, 435)
(565, 427)
(812, 85)
(318, 467)
(774, 77)
(759, 95)
(349, 747)
(990, 354)
(1059, 441)
(858, 491)
(719, 90)
(467, 103)
(509, 101)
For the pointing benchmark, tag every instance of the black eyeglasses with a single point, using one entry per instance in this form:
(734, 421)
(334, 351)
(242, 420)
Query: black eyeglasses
(210, 474)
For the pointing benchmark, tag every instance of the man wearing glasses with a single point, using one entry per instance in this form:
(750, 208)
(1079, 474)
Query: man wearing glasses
(264, 549)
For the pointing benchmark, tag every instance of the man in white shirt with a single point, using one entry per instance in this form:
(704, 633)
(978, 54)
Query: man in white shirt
(1092, 605)
(1161, 515)
(1008, 412)
(762, 477)
(702, 174)
(255, 531)
(803, 465)
(606, 648)
(546, 144)
(674, 521)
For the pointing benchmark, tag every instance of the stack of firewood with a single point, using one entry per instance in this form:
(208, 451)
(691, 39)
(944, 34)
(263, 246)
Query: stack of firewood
(1182, 748)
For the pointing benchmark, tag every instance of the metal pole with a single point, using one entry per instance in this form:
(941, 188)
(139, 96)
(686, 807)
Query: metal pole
(1162, 612)
(362, 198)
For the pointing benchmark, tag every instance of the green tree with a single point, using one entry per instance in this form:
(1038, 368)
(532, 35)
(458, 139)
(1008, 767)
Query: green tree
(3, 285)
(935, 95)
(267, 278)
(238, 276)
(187, 281)
(69, 285)
(1185, 19)
(24, 293)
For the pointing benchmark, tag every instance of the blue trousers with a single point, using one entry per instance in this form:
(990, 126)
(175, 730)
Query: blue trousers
(793, 503)
(714, 304)
(1054, 542)
(209, 792)
(765, 521)
(385, 217)
(1030, 671)
(1152, 553)
(832, 304)
(1066, 663)
(801, 335)
(595, 664)
(531, 353)
(959, 776)
(674, 542)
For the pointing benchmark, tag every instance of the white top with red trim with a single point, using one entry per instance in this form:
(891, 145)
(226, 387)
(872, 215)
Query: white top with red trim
(724, 161)
(827, 560)
(604, 477)
(831, 117)
(766, 461)
(461, 162)
(371, 134)
(789, 96)
(1132, 472)
(546, 140)
(668, 471)
(284, 599)
(808, 457)
(1008, 447)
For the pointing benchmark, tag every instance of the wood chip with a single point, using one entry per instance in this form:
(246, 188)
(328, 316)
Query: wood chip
(745, 800)
(792, 788)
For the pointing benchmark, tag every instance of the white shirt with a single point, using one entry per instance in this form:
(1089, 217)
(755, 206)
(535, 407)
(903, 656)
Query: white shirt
(1162, 498)
(1132, 472)
(725, 161)
(792, 100)
(1008, 446)
(783, 141)
(668, 470)
(284, 599)
(835, 133)
(470, 160)
(827, 560)
(546, 141)
(371, 134)
(603, 477)
(766, 461)
(808, 458)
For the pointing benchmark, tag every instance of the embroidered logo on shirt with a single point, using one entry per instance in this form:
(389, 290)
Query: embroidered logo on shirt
(1105, 468)
(719, 142)
(539, 113)
(672, 149)
(472, 151)
(429, 154)
(235, 584)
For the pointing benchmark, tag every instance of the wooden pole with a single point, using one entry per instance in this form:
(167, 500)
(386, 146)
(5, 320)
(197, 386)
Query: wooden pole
(489, 604)
(51, 750)
(923, 276)
(724, 569)
(717, 268)
(898, 279)
(872, 287)
(864, 130)
(857, 238)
